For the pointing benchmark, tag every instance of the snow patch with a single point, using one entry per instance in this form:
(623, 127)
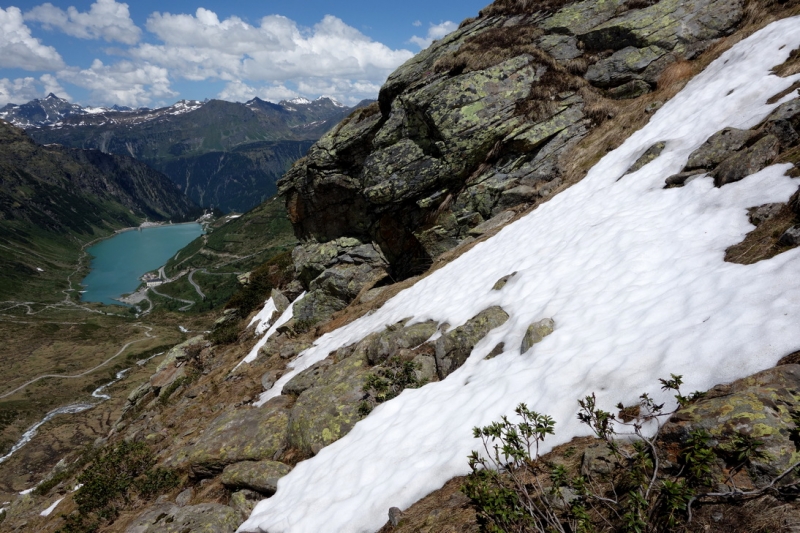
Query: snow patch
(283, 319)
(52, 508)
(633, 276)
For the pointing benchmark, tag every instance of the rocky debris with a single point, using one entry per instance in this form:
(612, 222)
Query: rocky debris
(536, 332)
(280, 300)
(244, 501)
(794, 203)
(260, 476)
(790, 237)
(764, 212)
(762, 406)
(649, 155)
(501, 219)
(184, 498)
(326, 411)
(269, 378)
(598, 461)
(202, 518)
(630, 90)
(747, 162)
(454, 347)
(247, 434)
(307, 378)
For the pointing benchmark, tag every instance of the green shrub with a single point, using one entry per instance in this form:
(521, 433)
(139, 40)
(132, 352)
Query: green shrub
(112, 478)
(389, 380)
(514, 489)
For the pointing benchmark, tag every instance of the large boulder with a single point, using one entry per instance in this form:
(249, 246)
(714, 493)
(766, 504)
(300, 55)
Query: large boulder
(454, 347)
(763, 406)
(203, 518)
(747, 162)
(247, 434)
(383, 345)
(718, 147)
(326, 411)
(261, 476)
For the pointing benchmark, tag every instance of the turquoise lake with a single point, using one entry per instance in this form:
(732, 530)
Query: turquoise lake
(119, 262)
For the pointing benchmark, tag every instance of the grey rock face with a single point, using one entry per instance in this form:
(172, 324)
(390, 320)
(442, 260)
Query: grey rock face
(453, 348)
(379, 347)
(747, 162)
(623, 66)
(718, 147)
(247, 434)
(203, 518)
(630, 90)
(764, 212)
(536, 332)
(261, 476)
(650, 155)
(244, 501)
(790, 237)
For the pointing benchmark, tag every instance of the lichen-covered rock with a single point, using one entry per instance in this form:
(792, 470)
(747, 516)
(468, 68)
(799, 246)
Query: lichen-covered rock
(307, 378)
(580, 17)
(380, 346)
(247, 434)
(327, 411)
(623, 66)
(454, 347)
(261, 476)
(202, 518)
(649, 155)
(244, 501)
(747, 162)
(630, 90)
(718, 147)
(669, 24)
(536, 332)
(762, 406)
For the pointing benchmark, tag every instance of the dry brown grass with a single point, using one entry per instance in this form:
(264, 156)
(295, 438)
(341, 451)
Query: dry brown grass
(762, 242)
(521, 7)
(492, 47)
(678, 72)
(790, 67)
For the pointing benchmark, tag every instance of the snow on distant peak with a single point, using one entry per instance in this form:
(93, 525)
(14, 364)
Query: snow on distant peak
(300, 101)
(633, 276)
(332, 100)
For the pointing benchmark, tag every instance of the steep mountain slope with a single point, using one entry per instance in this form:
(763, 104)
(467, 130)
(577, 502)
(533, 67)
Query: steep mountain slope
(569, 243)
(55, 199)
(48, 111)
(224, 154)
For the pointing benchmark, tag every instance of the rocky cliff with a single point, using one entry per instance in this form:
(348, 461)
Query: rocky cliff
(558, 199)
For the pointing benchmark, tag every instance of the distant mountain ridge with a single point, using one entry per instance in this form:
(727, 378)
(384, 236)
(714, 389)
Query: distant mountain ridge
(179, 140)
(55, 199)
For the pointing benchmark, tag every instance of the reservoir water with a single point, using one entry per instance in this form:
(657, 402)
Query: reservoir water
(119, 262)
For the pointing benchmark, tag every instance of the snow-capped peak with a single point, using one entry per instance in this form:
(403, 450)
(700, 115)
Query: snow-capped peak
(300, 101)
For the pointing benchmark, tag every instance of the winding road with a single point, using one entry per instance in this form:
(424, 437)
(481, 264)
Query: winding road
(62, 376)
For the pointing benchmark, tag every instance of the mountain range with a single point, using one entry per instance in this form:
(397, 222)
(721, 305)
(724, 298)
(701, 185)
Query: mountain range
(222, 154)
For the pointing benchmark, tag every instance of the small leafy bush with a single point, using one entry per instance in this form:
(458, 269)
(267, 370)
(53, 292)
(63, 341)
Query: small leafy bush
(116, 476)
(388, 381)
(514, 489)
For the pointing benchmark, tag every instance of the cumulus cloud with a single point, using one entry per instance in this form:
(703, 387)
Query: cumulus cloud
(125, 82)
(22, 90)
(435, 31)
(106, 19)
(19, 49)
(417, 23)
(200, 46)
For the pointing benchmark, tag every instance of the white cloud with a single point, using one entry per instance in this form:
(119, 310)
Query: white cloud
(124, 83)
(200, 46)
(417, 23)
(19, 49)
(106, 19)
(18, 91)
(23, 90)
(435, 31)
(238, 91)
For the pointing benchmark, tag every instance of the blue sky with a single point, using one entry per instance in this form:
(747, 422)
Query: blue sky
(148, 53)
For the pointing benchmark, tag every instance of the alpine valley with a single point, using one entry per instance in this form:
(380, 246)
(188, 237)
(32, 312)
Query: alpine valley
(546, 282)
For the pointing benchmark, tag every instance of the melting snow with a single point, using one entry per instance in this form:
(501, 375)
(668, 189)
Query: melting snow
(52, 508)
(633, 276)
(262, 318)
(283, 319)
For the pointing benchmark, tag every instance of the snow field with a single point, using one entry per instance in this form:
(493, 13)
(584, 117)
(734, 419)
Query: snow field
(633, 276)
(262, 319)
